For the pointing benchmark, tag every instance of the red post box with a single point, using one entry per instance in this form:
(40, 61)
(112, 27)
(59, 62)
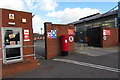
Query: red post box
(64, 45)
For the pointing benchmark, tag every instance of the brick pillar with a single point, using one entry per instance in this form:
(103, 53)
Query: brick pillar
(47, 25)
(53, 45)
(71, 45)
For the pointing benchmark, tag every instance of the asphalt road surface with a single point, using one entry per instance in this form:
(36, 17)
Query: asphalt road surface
(85, 62)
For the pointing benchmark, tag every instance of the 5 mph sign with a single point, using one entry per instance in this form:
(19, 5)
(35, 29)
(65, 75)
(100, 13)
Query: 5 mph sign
(71, 38)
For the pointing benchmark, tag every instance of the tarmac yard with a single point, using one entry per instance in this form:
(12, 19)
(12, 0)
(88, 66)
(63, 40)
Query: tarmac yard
(85, 62)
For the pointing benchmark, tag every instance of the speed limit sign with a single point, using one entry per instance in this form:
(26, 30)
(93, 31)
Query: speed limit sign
(104, 37)
(71, 39)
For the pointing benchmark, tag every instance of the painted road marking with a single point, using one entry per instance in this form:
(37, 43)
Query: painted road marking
(89, 65)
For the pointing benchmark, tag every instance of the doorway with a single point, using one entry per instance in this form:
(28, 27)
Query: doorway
(12, 44)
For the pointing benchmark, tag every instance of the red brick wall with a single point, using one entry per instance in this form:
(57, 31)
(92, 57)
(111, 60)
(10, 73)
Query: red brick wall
(17, 68)
(18, 23)
(53, 46)
(0, 35)
(1, 56)
(0, 39)
(112, 39)
(0, 45)
(0, 17)
(28, 49)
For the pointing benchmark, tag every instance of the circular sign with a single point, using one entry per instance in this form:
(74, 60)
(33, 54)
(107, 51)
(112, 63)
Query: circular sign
(71, 39)
(104, 37)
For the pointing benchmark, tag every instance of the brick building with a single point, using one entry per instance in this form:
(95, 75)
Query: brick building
(16, 42)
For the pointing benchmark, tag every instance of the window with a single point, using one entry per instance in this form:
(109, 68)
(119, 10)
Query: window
(12, 42)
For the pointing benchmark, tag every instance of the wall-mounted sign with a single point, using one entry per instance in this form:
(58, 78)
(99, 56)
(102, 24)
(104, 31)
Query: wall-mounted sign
(66, 41)
(26, 35)
(24, 20)
(54, 33)
(12, 42)
(49, 35)
(106, 32)
(104, 37)
(11, 23)
(71, 39)
(70, 31)
(11, 36)
(11, 16)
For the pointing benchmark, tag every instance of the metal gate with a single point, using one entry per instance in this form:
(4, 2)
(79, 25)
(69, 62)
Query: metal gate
(39, 48)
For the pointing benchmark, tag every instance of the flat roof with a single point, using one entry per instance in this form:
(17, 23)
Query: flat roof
(14, 10)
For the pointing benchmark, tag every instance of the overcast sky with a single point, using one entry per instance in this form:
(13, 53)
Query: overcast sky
(58, 11)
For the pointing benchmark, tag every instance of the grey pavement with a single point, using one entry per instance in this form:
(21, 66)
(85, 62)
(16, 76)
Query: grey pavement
(58, 69)
(54, 69)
